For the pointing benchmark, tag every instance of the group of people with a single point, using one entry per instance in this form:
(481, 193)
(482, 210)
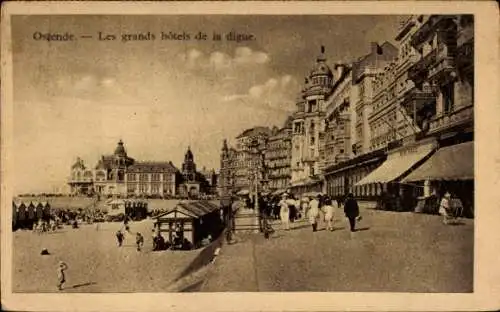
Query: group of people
(290, 209)
(314, 206)
(45, 226)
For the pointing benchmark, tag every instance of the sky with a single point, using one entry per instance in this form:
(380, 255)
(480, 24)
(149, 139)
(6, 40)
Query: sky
(79, 98)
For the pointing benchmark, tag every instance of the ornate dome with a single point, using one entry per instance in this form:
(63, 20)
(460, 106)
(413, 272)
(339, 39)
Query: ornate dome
(321, 68)
(120, 149)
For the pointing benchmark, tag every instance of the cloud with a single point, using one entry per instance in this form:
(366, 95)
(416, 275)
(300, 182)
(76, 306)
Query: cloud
(243, 56)
(276, 93)
(219, 60)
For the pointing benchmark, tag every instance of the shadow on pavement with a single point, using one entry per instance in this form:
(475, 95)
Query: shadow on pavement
(457, 223)
(84, 284)
(194, 287)
(362, 229)
(301, 227)
(205, 257)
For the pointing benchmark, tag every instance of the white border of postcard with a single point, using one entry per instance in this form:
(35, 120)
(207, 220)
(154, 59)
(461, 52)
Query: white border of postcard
(486, 294)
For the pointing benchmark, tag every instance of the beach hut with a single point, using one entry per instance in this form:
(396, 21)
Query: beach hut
(31, 208)
(116, 207)
(21, 213)
(136, 209)
(39, 210)
(15, 207)
(46, 210)
(191, 222)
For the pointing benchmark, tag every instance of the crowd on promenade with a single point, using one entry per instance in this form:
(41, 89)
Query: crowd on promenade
(312, 208)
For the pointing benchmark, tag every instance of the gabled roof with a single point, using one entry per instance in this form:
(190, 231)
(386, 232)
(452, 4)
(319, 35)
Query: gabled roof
(78, 164)
(195, 209)
(153, 166)
(254, 132)
(105, 162)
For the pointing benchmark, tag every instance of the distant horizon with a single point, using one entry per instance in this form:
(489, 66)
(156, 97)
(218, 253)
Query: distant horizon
(80, 98)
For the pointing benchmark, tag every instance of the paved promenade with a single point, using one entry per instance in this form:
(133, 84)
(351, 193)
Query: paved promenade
(403, 252)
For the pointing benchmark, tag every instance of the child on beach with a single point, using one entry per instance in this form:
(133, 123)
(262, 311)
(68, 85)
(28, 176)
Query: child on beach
(61, 276)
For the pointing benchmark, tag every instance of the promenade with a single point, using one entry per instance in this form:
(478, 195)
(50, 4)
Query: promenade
(403, 252)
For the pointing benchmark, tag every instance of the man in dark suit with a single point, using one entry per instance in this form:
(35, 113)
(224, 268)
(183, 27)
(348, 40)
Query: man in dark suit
(351, 210)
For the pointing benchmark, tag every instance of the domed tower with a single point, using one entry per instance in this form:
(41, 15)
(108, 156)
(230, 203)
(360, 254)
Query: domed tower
(120, 150)
(189, 167)
(120, 162)
(308, 121)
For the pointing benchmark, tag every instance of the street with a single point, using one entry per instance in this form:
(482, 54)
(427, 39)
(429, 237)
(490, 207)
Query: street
(403, 252)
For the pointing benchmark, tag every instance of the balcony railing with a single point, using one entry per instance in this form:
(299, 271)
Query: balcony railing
(444, 64)
(418, 71)
(452, 119)
(465, 54)
(414, 99)
(80, 180)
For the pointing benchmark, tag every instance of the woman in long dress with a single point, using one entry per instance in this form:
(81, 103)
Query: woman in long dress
(444, 207)
(284, 212)
(313, 214)
(329, 211)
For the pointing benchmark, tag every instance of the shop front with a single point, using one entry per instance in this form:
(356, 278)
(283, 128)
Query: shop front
(450, 169)
(386, 179)
(341, 179)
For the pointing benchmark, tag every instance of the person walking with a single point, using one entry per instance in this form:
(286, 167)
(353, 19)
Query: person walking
(119, 238)
(304, 206)
(313, 213)
(139, 240)
(351, 210)
(329, 213)
(444, 207)
(284, 212)
(61, 275)
(261, 212)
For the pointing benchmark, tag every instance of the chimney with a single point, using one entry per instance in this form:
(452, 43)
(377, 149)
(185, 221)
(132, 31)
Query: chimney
(373, 47)
(339, 70)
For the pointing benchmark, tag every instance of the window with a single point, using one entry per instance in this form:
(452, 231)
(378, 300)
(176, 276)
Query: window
(448, 97)
(130, 188)
(341, 151)
(312, 140)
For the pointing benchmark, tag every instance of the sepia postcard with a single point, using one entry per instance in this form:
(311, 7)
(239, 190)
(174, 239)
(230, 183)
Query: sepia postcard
(250, 156)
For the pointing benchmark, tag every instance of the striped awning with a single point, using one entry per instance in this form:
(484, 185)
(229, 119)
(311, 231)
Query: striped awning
(454, 162)
(397, 165)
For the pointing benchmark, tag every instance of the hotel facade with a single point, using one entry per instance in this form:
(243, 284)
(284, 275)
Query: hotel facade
(120, 175)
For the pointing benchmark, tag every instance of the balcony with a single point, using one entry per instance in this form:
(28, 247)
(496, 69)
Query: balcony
(80, 180)
(465, 56)
(418, 71)
(443, 67)
(460, 116)
(435, 22)
(415, 99)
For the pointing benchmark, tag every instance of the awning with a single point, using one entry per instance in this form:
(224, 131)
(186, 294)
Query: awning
(397, 164)
(448, 163)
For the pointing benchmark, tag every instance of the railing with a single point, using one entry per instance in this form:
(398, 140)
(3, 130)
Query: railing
(80, 180)
(444, 62)
(451, 119)
(417, 71)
